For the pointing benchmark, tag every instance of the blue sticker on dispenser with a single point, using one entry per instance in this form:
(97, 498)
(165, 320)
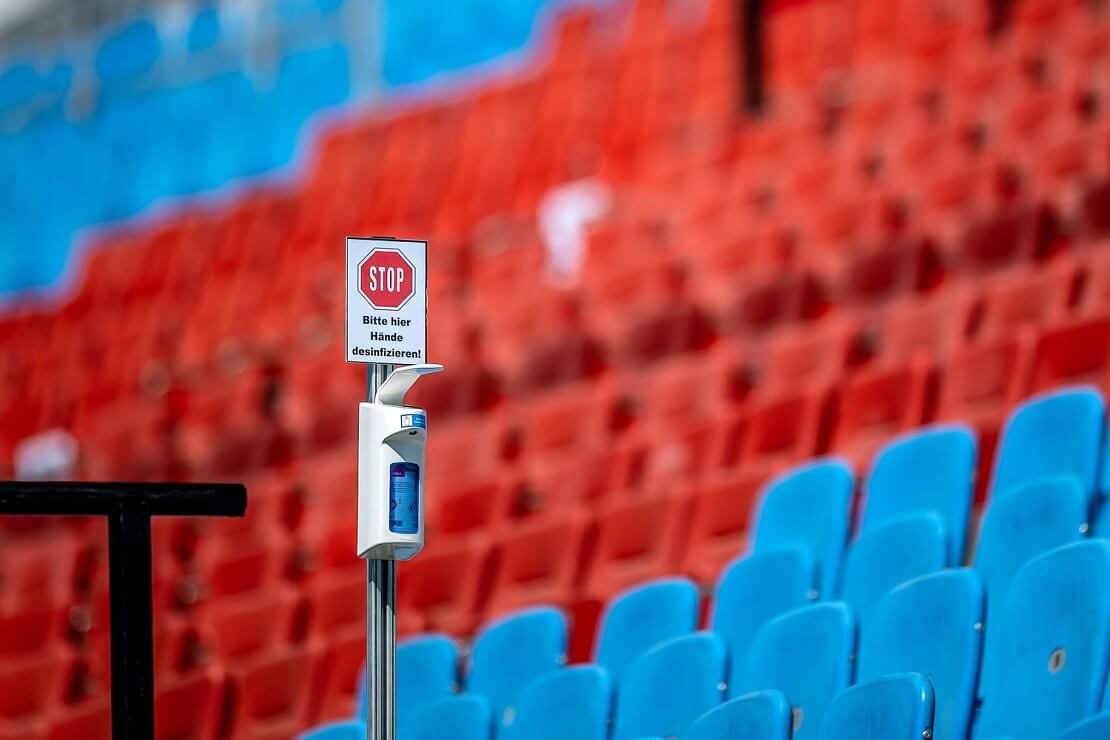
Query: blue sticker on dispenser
(418, 421)
(404, 498)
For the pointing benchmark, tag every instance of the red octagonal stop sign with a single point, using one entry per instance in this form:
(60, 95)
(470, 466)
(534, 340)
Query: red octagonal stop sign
(386, 279)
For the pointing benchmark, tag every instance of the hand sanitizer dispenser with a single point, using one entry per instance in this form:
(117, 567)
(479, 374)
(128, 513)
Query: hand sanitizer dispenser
(391, 439)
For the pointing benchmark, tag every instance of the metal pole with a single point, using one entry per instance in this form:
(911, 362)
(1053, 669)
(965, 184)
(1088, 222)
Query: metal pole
(130, 595)
(381, 622)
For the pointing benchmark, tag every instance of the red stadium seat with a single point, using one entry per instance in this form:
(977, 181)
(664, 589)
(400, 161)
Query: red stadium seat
(90, 720)
(539, 561)
(880, 402)
(343, 662)
(469, 508)
(238, 626)
(719, 521)
(931, 328)
(191, 707)
(777, 299)
(1028, 297)
(274, 695)
(26, 631)
(29, 688)
(1095, 294)
(1016, 234)
(636, 540)
(811, 357)
(1072, 352)
(782, 429)
(446, 584)
(979, 386)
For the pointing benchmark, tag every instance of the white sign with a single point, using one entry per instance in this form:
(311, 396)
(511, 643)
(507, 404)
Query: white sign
(387, 301)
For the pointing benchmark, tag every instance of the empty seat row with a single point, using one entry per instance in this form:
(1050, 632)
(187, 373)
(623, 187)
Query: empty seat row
(803, 664)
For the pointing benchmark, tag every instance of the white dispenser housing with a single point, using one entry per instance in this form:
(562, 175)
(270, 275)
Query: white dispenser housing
(391, 440)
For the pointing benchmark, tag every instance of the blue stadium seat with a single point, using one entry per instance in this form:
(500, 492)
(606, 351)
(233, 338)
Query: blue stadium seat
(896, 707)
(667, 688)
(1053, 433)
(1030, 519)
(127, 54)
(640, 618)
(427, 671)
(542, 710)
(1054, 645)
(888, 555)
(931, 625)
(511, 652)
(763, 715)
(755, 589)
(345, 730)
(465, 717)
(296, 13)
(809, 505)
(806, 654)
(897, 484)
(204, 30)
(308, 82)
(1092, 728)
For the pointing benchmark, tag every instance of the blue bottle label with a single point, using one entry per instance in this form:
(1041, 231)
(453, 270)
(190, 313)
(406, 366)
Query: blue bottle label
(404, 498)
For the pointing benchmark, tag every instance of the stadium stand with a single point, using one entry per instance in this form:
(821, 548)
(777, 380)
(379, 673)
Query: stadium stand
(896, 274)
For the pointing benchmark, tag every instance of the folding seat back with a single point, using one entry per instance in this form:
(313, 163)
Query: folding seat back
(539, 561)
(542, 710)
(931, 625)
(638, 539)
(763, 715)
(269, 691)
(880, 400)
(810, 505)
(511, 652)
(427, 670)
(895, 707)
(1072, 352)
(640, 618)
(931, 470)
(889, 555)
(345, 730)
(1030, 519)
(806, 654)
(1054, 645)
(1092, 728)
(465, 717)
(667, 688)
(1053, 433)
(191, 706)
(754, 590)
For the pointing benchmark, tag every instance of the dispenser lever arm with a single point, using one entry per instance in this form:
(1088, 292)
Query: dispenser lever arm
(392, 391)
